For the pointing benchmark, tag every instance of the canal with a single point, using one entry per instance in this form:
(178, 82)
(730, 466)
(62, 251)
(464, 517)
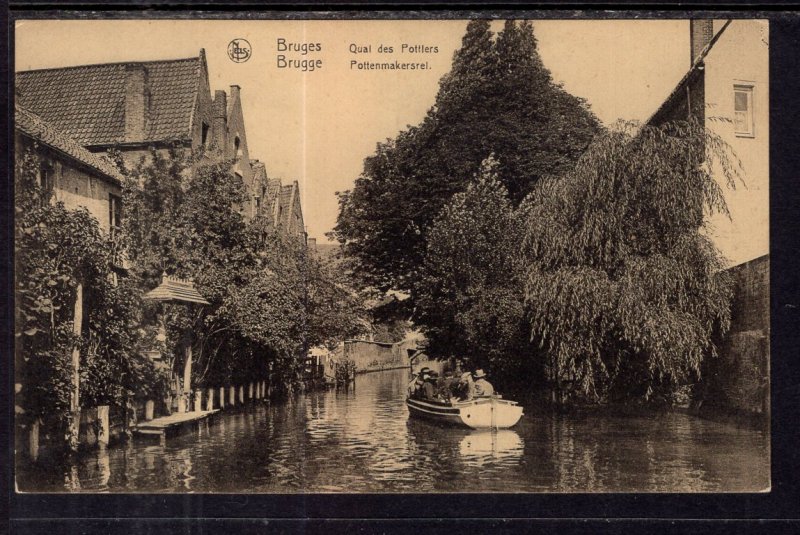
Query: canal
(362, 441)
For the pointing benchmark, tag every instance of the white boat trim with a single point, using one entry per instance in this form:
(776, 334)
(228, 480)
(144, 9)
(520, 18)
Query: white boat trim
(510, 411)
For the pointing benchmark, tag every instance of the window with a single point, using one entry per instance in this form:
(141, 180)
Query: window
(46, 177)
(743, 110)
(205, 135)
(114, 214)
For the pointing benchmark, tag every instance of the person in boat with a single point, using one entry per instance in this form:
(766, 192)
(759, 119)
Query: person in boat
(416, 382)
(464, 387)
(458, 372)
(444, 386)
(429, 386)
(483, 388)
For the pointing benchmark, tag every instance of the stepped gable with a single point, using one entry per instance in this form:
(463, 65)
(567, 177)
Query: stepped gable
(286, 201)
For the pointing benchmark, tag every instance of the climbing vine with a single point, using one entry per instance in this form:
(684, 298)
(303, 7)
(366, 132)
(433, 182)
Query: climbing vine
(56, 250)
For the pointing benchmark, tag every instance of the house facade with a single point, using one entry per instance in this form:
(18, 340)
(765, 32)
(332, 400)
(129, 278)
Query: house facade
(75, 176)
(279, 204)
(79, 179)
(228, 141)
(727, 89)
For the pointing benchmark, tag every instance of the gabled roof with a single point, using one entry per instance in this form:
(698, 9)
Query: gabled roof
(87, 102)
(697, 65)
(40, 130)
(273, 188)
(286, 201)
(259, 172)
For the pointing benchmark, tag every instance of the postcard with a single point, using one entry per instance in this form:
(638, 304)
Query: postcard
(328, 255)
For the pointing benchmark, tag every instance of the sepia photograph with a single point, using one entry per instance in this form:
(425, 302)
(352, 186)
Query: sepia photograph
(330, 255)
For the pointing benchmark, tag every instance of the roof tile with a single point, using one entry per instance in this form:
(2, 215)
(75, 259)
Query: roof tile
(87, 102)
(37, 128)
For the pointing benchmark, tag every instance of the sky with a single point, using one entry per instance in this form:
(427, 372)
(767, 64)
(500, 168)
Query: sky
(318, 126)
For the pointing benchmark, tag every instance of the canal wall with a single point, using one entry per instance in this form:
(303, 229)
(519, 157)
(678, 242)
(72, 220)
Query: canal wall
(370, 356)
(737, 382)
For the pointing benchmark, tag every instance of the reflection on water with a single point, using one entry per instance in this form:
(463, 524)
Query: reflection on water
(482, 444)
(363, 441)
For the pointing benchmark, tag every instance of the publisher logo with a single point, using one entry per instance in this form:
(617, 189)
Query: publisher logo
(239, 50)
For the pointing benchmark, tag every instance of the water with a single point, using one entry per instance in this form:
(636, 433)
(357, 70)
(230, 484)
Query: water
(363, 441)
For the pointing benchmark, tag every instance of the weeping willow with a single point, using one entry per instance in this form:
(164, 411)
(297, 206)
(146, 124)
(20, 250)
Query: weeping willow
(624, 287)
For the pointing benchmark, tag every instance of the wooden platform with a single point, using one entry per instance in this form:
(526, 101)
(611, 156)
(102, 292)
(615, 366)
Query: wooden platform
(158, 427)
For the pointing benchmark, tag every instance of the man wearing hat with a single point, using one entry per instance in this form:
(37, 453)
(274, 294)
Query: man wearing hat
(483, 388)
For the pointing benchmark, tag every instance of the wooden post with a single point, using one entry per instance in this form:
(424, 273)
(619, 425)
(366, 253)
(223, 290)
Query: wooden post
(187, 370)
(241, 393)
(149, 409)
(250, 392)
(198, 400)
(210, 399)
(75, 406)
(232, 395)
(222, 397)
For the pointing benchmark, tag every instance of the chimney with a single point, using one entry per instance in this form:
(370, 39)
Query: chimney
(235, 89)
(700, 33)
(312, 244)
(137, 102)
(219, 119)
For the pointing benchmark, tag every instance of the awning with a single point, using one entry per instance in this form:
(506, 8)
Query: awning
(176, 290)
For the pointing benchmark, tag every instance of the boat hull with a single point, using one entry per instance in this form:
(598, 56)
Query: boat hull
(482, 413)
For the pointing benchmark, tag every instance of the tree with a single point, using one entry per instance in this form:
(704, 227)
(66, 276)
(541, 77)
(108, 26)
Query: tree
(498, 99)
(335, 309)
(181, 218)
(470, 300)
(623, 286)
(270, 300)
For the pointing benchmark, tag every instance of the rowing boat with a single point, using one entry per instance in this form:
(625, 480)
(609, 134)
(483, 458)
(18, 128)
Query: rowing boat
(479, 413)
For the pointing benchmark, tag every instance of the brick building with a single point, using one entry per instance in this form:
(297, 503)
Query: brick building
(727, 88)
(279, 204)
(135, 106)
(75, 176)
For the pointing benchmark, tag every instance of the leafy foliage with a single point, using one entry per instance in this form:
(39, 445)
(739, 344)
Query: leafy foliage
(270, 299)
(470, 302)
(57, 249)
(623, 286)
(498, 99)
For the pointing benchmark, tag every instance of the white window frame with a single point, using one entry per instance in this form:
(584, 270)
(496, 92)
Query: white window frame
(749, 89)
